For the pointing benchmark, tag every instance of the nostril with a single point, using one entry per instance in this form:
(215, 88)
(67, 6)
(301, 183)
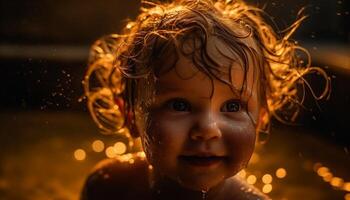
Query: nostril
(206, 132)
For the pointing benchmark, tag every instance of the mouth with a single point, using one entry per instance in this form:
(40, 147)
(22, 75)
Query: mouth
(202, 160)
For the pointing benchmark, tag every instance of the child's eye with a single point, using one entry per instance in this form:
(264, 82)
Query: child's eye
(231, 106)
(179, 105)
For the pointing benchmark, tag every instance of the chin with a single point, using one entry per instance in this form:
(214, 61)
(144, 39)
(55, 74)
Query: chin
(200, 183)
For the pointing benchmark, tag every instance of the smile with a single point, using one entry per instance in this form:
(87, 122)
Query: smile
(202, 161)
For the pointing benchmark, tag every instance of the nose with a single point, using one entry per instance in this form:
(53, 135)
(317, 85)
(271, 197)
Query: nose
(206, 128)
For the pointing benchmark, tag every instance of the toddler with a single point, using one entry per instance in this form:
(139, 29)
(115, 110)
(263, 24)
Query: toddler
(196, 80)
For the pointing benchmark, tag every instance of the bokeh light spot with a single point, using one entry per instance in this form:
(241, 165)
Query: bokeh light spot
(267, 188)
(98, 146)
(251, 179)
(79, 154)
(346, 186)
(322, 171)
(119, 148)
(267, 178)
(281, 173)
(242, 173)
(327, 177)
(110, 152)
(337, 182)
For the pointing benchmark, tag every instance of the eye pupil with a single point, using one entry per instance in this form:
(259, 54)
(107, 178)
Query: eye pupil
(232, 107)
(180, 106)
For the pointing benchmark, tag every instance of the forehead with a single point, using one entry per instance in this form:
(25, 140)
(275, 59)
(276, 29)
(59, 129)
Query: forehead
(228, 68)
(185, 78)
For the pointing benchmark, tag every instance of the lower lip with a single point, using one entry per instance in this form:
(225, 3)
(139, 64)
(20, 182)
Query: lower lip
(201, 162)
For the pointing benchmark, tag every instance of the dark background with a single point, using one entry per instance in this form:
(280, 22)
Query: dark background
(44, 47)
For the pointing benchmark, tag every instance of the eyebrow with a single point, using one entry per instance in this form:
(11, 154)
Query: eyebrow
(163, 90)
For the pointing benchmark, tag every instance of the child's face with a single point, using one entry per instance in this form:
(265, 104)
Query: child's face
(199, 132)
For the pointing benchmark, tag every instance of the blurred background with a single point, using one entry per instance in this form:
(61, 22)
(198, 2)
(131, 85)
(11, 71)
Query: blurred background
(49, 143)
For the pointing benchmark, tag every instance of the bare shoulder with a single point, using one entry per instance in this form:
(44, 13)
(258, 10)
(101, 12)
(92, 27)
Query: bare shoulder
(239, 189)
(125, 177)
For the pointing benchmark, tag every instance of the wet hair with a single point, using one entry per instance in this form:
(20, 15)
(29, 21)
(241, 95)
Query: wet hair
(150, 45)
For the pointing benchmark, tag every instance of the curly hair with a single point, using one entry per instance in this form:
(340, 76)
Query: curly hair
(119, 62)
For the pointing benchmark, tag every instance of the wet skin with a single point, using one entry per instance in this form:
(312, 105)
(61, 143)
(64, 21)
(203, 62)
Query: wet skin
(199, 132)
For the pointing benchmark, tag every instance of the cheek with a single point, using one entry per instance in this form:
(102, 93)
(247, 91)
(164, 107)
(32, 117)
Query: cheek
(239, 137)
(164, 138)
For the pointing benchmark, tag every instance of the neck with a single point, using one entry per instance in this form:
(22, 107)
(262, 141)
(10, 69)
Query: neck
(165, 188)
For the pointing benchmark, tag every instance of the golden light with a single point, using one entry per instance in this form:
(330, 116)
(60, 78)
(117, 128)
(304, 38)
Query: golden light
(281, 173)
(267, 188)
(110, 152)
(347, 196)
(267, 178)
(337, 182)
(130, 25)
(346, 186)
(251, 179)
(327, 176)
(79, 154)
(98, 146)
(255, 158)
(119, 148)
(242, 173)
(141, 155)
(322, 171)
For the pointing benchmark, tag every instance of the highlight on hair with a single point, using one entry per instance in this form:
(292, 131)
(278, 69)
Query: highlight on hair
(118, 62)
